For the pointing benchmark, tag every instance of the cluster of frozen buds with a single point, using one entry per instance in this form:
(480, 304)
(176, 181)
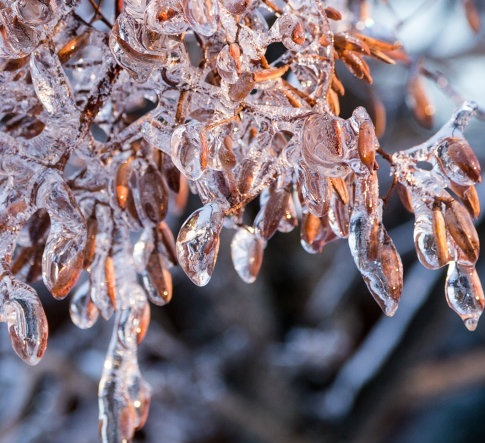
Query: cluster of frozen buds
(82, 169)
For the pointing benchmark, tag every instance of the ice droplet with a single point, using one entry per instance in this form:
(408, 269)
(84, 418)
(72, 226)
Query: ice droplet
(198, 243)
(202, 15)
(27, 324)
(187, 150)
(464, 293)
(62, 261)
(84, 312)
(247, 254)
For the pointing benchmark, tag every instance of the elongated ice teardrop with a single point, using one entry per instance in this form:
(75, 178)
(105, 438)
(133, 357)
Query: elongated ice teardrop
(425, 242)
(198, 243)
(188, 150)
(84, 312)
(62, 261)
(202, 15)
(27, 324)
(247, 254)
(464, 293)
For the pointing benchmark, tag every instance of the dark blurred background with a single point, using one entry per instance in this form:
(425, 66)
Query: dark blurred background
(304, 354)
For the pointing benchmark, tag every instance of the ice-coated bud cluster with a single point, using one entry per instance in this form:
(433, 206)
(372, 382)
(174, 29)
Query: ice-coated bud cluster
(104, 132)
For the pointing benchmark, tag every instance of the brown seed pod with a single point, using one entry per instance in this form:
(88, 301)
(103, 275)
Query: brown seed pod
(349, 42)
(158, 280)
(421, 106)
(340, 187)
(366, 144)
(472, 15)
(269, 74)
(143, 324)
(90, 249)
(356, 65)
(333, 14)
(469, 197)
(269, 216)
(337, 85)
(439, 230)
(405, 197)
(166, 242)
(461, 228)
(333, 102)
(153, 195)
(109, 270)
(244, 85)
(72, 47)
(122, 184)
(462, 156)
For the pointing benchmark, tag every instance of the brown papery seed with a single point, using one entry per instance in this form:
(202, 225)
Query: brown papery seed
(422, 108)
(469, 196)
(90, 249)
(405, 197)
(340, 187)
(366, 144)
(461, 228)
(333, 14)
(461, 153)
(439, 230)
(143, 324)
(122, 184)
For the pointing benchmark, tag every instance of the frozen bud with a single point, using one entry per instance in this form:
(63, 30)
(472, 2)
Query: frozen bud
(290, 219)
(35, 12)
(242, 87)
(157, 279)
(405, 197)
(461, 228)
(464, 293)
(339, 217)
(323, 146)
(315, 190)
(459, 161)
(422, 107)
(16, 39)
(165, 243)
(202, 15)
(247, 253)
(392, 270)
(469, 197)
(62, 261)
(165, 17)
(198, 243)
(236, 7)
(315, 233)
(189, 149)
(269, 216)
(152, 202)
(425, 242)
(290, 30)
(229, 63)
(90, 249)
(143, 323)
(122, 184)
(26, 321)
(340, 187)
(366, 144)
(440, 237)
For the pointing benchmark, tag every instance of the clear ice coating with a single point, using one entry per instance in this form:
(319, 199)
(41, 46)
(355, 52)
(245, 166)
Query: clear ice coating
(104, 132)
(198, 243)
